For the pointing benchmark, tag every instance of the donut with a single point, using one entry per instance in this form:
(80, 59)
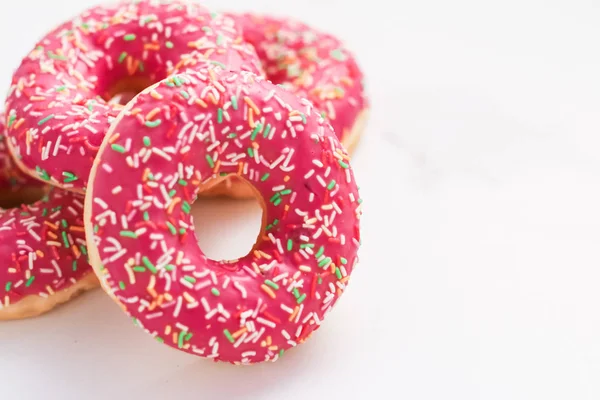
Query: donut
(43, 255)
(59, 106)
(15, 187)
(141, 237)
(312, 64)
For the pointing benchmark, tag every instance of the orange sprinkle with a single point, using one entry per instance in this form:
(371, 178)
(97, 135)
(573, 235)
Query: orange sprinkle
(49, 289)
(76, 251)
(269, 340)
(77, 228)
(168, 330)
(188, 297)
(51, 225)
(37, 98)
(240, 168)
(211, 73)
(212, 98)
(155, 95)
(19, 123)
(173, 204)
(217, 166)
(174, 337)
(252, 105)
(332, 267)
(273, 348)
(39, 253)
(152, 46)
(251, 118)
(136, 111)
(114, 138)
(239, 333)
(168, 297)
(293, 314)
(52, 235)
(345, 279)
(268, 291)
(201, 103)
(286, 178)
(152, 113)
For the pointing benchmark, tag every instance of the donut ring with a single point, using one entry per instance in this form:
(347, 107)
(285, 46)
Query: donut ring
(311, 64)
(141, 237)
(15, 187)
(42, 255)
(58, 113)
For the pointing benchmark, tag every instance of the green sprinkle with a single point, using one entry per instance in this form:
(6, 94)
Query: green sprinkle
(320, 280)
(169, 44)
(188, 336)
(159, 339)
(232, 136)
(129, 37)
(139, 268)
(8, 285)
(182, 182)
(146, 216)
(250, 152)
(257, 129)
(122, 57)
(296, 293)
(264, 177)
(181, 231)
(343, 260)
(228, 336)
(215, 291)
(69, 177)
(118, 148)
(305, 245)
(147, 141)
(56, 56)
(83, 249)
(64, 223)
(186, 207)
(219, 39)
(220, 115)
(234, 102)
(210, 161)
(29, 281)
(170, 267)
(343, 164)
(300, 299)
(180, 339)
(220, 64)
(74, 265)
(320, 252)
(141, 66)
(331, 184)
(149, 265)
(286, 191)
(290, 245)
(122, 285)
(177, 81)
(61, 88)
(129, 234)
(48, 118)
(184, 94)
(325, 262)
(275, 197)
(272, 284)
(277, 202)
(338, 54)
(267, 130)
(190, 279)
(359, 201)
(172, 192)
(153, 124)
(281, 353)
(171, 228)
(275, 221)
(11, 120)
(338, 273)
(65, 240)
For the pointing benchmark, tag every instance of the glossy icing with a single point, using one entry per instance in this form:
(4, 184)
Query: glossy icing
(42, 247)
(57, 112)
(187, 132)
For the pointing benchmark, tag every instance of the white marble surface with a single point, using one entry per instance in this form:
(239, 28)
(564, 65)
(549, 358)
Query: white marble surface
(480, 272)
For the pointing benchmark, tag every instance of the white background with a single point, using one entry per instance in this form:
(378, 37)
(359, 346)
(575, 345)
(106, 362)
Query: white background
(480, 272)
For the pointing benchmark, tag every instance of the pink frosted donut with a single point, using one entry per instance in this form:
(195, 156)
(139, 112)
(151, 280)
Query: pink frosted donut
(43, 255)
(15, 186)
(57, 106)
(183, 135)
(312, 64)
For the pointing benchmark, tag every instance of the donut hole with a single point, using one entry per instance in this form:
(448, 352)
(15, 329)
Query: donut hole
(226, 228)
(126, 89)
(21, 197)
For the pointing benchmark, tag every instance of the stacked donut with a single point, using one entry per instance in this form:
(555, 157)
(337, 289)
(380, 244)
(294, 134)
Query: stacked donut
(121, 117)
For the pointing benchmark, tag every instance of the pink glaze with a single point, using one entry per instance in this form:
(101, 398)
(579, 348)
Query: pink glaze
(11, 178)
(57, 112)
(181, 134)
(312, 64)
(42, 247)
